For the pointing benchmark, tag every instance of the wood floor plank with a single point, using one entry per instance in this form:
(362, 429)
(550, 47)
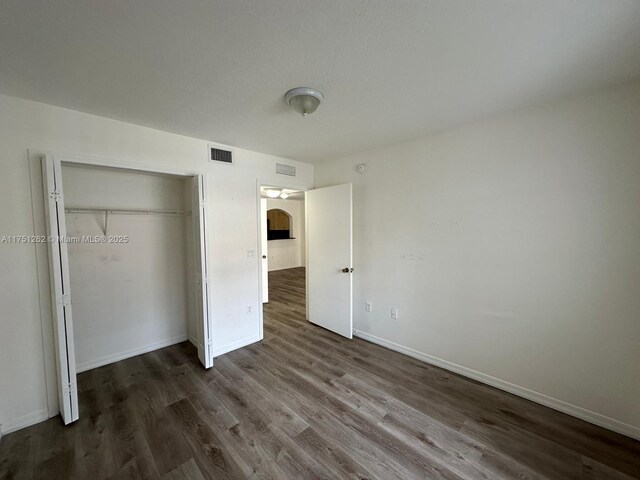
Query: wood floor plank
(307, 404)
(134, 470)
(331, 455)
(592, 469)
(187, 471)
(255, 454)
(21, 451)
(280, 414)
(310, 466)
(204, 399)
(531, 451)
(93, 458)
(296, 400)
(209, 450)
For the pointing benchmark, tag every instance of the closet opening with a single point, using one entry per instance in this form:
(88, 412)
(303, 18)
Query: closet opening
(128, 266)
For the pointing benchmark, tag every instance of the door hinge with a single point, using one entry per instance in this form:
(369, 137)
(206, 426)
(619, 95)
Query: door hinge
(70, 389)
(64, 300)
(55, 195)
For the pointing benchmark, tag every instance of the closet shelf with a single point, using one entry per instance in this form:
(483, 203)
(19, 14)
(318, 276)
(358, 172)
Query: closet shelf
(119, 211)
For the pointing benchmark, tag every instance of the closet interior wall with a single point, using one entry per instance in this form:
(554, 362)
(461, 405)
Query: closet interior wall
(129, 296)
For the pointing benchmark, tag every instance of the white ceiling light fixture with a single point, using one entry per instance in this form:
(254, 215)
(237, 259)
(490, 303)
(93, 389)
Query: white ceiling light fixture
(273, 193)
(304, 100)
(284, 195)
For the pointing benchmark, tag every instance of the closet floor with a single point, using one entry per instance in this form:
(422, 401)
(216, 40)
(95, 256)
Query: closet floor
(305, 403)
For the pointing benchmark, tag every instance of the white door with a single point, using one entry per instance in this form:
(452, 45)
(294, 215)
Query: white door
(60, 289)
(328, 217)
(198, 211)
(264, 250)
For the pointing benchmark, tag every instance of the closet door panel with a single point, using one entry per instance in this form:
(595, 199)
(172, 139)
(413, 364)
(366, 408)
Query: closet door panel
(203, 308)
(60, 289)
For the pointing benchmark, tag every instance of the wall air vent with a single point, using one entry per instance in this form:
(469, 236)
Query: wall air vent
(218, 155)
(283, 169)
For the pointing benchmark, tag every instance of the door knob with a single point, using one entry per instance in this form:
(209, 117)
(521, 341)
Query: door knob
(347, 270)
(264, 256)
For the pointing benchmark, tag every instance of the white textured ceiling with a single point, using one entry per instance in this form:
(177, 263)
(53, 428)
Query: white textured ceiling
(390, 70)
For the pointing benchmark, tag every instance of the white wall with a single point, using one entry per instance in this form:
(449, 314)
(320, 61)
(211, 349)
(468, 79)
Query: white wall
(511, 248)
(128, 298)
(27, 368)
(288, 253)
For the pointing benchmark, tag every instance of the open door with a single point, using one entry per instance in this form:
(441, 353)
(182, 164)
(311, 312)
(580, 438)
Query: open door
(264, 250)
(60, 289)
(329, 258)
(198, 212)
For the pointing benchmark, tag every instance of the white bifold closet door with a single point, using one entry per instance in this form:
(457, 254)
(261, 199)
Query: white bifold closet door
(198, 212)
(60, 289)
(61, 285)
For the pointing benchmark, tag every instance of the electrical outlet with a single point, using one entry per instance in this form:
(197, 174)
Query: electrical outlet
(251, 254)
(248, 309)
(394, 314)
(368, 307)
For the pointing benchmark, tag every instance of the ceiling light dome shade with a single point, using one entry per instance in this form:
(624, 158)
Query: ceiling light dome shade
(304, 100)
(273, 193)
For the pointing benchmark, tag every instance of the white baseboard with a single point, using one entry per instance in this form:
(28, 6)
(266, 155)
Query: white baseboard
(24, 422)
(560, 405)
(235, 345)
(129, 353)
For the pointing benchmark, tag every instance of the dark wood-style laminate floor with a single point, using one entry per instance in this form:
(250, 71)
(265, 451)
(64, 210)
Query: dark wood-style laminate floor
(306, 403)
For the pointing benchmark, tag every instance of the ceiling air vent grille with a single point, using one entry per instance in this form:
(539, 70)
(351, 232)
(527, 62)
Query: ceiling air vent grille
(283, 169)
(218, 155)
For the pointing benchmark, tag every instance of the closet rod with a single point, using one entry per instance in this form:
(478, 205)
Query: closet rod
(119, 211)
